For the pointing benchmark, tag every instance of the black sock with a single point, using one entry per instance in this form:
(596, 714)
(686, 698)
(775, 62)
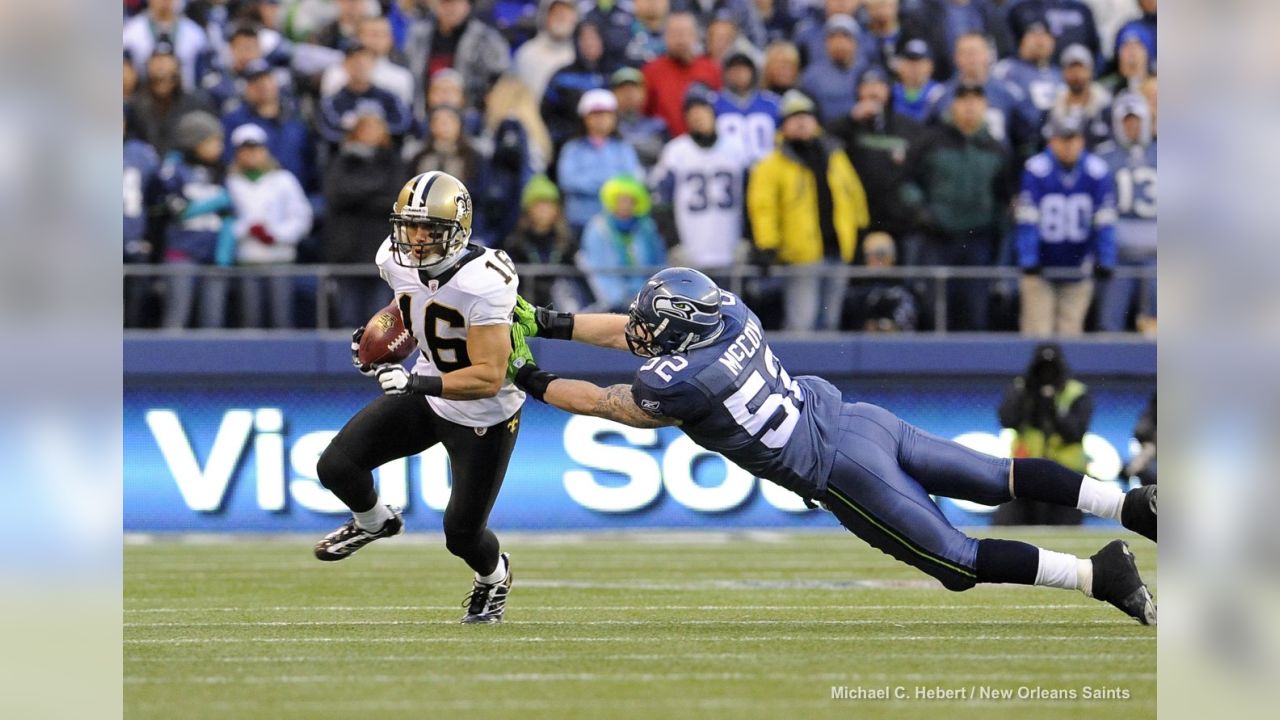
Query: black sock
(1039, 479)
(1007, 561)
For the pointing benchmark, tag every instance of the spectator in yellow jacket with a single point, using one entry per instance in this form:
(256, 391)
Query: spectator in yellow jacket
(800, 222)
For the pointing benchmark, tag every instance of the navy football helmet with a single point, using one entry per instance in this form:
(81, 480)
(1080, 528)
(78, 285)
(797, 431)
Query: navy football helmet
(677, 310)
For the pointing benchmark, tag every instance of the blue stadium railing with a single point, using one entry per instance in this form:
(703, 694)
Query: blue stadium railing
(735, 278)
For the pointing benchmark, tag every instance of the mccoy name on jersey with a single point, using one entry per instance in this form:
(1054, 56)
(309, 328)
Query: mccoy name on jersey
(479, 289)
(734, 397)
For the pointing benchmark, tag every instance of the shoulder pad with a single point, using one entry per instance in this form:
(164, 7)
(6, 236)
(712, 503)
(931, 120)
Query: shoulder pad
(1040, 165)
(383, 258)
(1096, 166)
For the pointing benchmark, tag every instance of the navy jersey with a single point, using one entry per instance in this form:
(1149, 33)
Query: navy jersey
(140, 167)
(735, 398)
(1134, 168)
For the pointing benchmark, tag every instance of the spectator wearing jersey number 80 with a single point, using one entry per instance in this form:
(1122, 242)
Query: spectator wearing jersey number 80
(1066, 216)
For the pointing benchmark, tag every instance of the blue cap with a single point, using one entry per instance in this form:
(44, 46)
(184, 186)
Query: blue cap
(917, 49)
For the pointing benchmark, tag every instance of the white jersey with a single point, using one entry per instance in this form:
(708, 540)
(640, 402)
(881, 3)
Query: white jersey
(480, 289)
(707, 197)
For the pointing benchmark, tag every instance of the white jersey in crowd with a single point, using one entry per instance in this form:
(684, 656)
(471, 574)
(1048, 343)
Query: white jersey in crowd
(479, 289)
(707, 188)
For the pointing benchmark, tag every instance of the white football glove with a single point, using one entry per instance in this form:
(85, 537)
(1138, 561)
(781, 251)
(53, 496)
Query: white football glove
(393, 378)
(365, 370)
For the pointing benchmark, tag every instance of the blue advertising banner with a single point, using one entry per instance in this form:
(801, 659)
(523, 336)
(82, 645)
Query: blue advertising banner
(239, 454)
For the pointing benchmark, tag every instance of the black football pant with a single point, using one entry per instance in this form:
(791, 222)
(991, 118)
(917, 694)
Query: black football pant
(396, 426)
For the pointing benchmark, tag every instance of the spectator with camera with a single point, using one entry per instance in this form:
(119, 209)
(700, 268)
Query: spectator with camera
(1049, 412)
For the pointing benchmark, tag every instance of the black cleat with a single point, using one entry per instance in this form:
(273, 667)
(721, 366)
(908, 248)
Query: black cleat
(486, 603)
(1139, 511)
(346, 540)
(1116, 580)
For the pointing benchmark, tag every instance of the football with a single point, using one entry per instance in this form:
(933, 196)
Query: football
(385, 338)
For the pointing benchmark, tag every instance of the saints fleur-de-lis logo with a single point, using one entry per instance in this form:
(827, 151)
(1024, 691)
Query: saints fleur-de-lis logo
(464, 205)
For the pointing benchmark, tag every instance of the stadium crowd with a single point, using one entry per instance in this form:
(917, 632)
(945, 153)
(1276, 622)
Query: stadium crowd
(790, 137)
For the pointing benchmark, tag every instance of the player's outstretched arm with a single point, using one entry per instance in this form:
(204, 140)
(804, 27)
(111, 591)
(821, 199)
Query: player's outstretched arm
(583, 398)
(599, 329)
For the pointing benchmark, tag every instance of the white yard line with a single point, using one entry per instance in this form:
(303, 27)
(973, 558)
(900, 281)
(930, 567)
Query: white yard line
(510, 640)
(766, 621)
(595, 608)
(629, 676)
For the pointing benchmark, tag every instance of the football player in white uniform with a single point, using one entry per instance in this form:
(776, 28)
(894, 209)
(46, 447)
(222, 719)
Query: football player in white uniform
(456, 299)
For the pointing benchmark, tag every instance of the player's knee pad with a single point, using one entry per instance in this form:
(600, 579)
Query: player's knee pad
(461, 542)
(335, 469)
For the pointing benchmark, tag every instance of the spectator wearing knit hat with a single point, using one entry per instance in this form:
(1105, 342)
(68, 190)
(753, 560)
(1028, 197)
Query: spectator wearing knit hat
(1144, 28)
(542, 237)
(806, 206)
(199, 232)
(621, 235)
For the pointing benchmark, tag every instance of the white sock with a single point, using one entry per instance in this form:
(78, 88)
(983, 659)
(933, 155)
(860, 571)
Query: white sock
(1103, 499)
(1085, 572)
(498, 575)
(373, 518)
(1058, 570)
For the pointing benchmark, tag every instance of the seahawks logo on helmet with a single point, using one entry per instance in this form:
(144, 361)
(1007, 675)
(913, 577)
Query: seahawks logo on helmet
(686, 309)
(677, 310)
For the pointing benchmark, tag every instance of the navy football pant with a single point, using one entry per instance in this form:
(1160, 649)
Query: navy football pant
(884, 472)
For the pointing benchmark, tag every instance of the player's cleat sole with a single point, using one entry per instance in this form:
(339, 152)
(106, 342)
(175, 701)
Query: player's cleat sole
(486, 604)
(346, 540)
(1138, 513)
(1116, 580)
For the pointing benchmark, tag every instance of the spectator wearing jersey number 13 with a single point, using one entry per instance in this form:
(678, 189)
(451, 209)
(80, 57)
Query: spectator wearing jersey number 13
(1066, 216)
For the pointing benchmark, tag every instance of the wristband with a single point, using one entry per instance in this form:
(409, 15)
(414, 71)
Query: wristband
(554, 325)
(426, 384)
(534, 380)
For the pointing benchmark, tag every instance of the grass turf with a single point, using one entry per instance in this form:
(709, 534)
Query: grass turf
(744, 625)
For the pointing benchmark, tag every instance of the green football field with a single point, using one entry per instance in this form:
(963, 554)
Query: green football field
(675, 625)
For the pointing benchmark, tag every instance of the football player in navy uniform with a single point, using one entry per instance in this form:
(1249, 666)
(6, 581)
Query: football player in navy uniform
(456, 299)
(711, 373)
